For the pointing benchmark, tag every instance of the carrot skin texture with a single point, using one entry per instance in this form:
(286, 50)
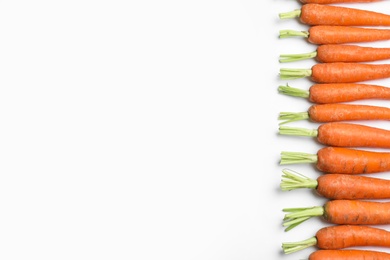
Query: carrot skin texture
(344, 236)
(326, 93)
(352, 135)
(337, 1)
(348, 254)
(335, 34)
(322, 113)
(319, 14)
(344, 186)
(343, 72)
(351, 161)
(350, 53)
(357, 212)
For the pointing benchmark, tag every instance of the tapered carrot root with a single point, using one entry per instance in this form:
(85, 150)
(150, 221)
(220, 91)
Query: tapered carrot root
(328, 53)
(325, 113)
(339, 72)
(319, 14)
(327, 93)
(338, 186)
(342, 212)
(336, 34)
(340, 237)
(341, 160)
(343, 135)
(337, 1)
(348, 254)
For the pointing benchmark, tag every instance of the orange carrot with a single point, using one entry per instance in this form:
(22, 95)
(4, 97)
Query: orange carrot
(337, 1)
(339, 72)
(340, 237)
(348, 254)
(326, 93)
(343, 134)
(338, 186)
(342, 212)
(341, 160)
(319, 14)
(327, 53)
(338, 34)
(325, 113)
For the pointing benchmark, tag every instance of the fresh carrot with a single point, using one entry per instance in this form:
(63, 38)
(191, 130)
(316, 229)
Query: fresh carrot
(319, 14)
(343, 134)
(327, 53)
(338, 186)
(339, 72)
(348, 254)
(326, 93)
(342, 212)
(338, 34)
(337, 1)
(325, 113)
(341, 160)
(340, 237)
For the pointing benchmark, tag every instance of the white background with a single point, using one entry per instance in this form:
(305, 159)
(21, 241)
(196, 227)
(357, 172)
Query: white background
(147, 130)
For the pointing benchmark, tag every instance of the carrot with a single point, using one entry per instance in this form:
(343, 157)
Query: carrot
(319, 14)
(337, 1)
(338, 186)
(339, 72)
(341, 160)
(348, 254)
(327, 53)
(342, 212)
(340, 237)
(325, 113)
(343, 134)
(326, 93)
(338, 34)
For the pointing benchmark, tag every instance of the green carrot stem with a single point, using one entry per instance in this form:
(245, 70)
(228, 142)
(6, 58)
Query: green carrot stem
(292, 14)
(298, 215)
(293, 33)
(295, 92)
(295, 57)
(297, 131)
(297, 157)
(288, 73)
(288, 117)
(291, 247)
(292, 180)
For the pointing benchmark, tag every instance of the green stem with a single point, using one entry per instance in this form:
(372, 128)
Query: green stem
(295, 57)
(292, 14)
(298, 215)
(297, 131)
(293, 33)
(288, 73)
(289, 117)
(291, 247)
(297, 157)
(295, 92)
(292, 180)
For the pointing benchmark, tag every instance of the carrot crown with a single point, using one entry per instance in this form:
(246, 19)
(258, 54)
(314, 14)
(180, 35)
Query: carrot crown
(292, 14)
(295, 92)
(293, 33)
(297, 131)
(288, 73)
(297, 157)
(291, 247)
(292, 180)
(295, 57)
(288, 117)
(298, 215)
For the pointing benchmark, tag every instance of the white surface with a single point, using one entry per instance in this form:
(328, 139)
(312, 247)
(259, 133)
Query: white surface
(147, 130)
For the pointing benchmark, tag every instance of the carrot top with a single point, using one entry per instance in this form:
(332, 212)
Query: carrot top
(298, 215)
(292, 180)
(295, 92)
(295, 57)
(297, 158)
(291, 247)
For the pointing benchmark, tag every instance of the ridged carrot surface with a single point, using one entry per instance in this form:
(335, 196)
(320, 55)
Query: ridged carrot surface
(337, 1)
(348, 254)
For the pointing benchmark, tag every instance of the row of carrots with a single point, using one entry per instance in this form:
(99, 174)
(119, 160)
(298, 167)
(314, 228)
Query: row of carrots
(353, 205)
